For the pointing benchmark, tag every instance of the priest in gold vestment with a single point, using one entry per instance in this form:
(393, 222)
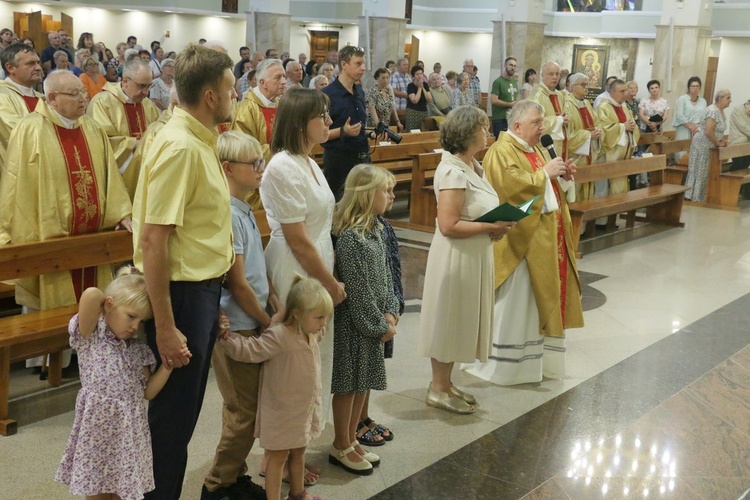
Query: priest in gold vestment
(537, 290)
(17, 96)
(583, 130)
(620, 137)
(125, 112)
(60, 179)
(553, 102)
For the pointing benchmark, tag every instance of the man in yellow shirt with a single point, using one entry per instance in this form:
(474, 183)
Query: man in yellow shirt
(182, 234)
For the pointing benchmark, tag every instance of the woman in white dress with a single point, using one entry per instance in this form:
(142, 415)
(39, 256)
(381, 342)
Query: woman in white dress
(299, 207)
(458, 288)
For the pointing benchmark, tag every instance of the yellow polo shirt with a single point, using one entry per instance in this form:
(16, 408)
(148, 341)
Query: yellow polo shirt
(182, 183)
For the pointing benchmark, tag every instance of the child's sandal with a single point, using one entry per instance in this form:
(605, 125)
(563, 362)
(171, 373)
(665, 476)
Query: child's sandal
(369, 438)
(379, 429)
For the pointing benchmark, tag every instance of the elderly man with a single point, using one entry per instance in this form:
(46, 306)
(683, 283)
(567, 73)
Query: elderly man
(553, 102)
(302, 58)
(60, 179)
(504, 95)
(48, 54)
(125, 111)
(294, 75)
(183, 242)
(257, 111)
(17, 96)
(441, 96)
(474, 86)
(399, 80)
(620, 137)
(583, 130)
(538, 293)
(739, 133)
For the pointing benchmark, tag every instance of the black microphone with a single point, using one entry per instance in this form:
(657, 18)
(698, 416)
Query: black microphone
(548, 143)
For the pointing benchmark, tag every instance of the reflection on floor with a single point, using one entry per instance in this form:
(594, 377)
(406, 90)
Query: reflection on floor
(656, 403)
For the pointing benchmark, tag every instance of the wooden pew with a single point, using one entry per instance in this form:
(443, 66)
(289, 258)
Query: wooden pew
(724, 187)
(422, 201)
(663, 201)
(46, 332)
(675, 173)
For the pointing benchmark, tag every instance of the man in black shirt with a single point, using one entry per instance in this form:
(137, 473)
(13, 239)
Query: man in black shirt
(347, 144)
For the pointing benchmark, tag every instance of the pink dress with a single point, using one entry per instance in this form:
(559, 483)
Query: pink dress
(290, 398)
(109, 449)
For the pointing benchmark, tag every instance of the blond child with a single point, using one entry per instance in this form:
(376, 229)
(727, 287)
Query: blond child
(108, 455)
(290, 399)
(367, 318)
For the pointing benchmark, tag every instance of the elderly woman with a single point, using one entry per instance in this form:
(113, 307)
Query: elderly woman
(327, 70)
(652, 107)
(92, 79)
(381, 104)
(114, 64)
(688, 111)
(450, 80)
(710, 134)
(462, 95)
(631, 91)
(162, 86)
(319, 82)
(458, 286)
(441, 96)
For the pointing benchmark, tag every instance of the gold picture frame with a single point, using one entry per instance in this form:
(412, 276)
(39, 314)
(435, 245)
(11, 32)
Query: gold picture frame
(592, 61)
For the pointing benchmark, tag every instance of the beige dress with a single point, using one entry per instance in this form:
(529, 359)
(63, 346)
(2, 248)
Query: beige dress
(458, 293)
(290, 398)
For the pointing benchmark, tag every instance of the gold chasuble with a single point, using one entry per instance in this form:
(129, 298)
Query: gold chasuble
(553, 103)
(617, 144)
(123, 121)
(13, 107)
(58, 182)
(582, 119)
(544, 240)
(130, 176)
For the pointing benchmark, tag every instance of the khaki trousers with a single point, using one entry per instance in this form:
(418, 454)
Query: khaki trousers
(239, 384)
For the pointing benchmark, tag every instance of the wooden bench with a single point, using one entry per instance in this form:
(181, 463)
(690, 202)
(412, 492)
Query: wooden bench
(662, 201)
(723, 189)
(46, 332)
(423, 204)
(675, 172)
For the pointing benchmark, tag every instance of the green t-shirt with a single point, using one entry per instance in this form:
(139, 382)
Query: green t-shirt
(506, 90)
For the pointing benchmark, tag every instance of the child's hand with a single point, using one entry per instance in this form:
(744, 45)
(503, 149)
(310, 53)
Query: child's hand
(223, 325)
(185, 351)
(389, 335)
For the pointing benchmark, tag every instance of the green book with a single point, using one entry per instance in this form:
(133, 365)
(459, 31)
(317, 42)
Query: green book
(508, 212)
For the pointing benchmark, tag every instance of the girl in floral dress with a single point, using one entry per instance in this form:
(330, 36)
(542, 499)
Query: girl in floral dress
(108, 455)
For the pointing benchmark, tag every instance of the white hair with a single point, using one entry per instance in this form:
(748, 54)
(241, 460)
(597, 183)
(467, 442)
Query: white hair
(52, 80)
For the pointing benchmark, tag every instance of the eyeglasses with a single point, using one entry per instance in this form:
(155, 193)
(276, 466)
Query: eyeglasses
(81, 94)
(258, 165)
(142, 86)
(325, 116)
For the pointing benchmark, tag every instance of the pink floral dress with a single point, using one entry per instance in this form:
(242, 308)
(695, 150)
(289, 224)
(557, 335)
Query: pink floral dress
(109, 449)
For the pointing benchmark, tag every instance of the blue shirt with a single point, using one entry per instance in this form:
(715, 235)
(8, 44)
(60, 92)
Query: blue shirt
(247, 246)
(345, 105)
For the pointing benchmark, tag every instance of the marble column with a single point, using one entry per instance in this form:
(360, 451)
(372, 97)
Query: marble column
(386, 42)
(268, 30)
(523, 40)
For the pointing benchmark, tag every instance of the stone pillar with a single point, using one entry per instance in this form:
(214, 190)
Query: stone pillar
(386, 42)
(682, 46)
(268, 25)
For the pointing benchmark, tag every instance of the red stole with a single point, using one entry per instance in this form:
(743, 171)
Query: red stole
(588, 124)
(620, 113)
(622, 118)
(269, 115)
(553, 98)
(30, 102)
(136, 119)
(562, 250)
(84, 196)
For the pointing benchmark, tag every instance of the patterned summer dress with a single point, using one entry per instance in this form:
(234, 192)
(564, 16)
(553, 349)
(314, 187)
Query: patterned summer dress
(700, 155)
(109, 449)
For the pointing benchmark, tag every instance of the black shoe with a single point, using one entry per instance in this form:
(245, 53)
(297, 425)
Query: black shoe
(251, 490)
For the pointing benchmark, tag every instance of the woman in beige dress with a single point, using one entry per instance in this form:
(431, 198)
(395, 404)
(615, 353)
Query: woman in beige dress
(458, 288)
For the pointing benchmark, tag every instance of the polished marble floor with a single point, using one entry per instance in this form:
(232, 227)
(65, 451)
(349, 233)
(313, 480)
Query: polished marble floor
(656, 403)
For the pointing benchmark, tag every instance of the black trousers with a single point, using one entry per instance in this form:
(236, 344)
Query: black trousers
(336, 166)
(173, 413)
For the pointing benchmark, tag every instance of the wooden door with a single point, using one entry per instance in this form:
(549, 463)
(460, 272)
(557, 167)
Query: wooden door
(322, 42)
(708, 85)
(413, 51)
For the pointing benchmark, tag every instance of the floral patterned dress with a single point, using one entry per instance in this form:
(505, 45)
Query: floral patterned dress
(700, 155)
(109, 449)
